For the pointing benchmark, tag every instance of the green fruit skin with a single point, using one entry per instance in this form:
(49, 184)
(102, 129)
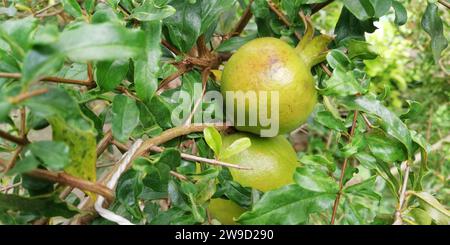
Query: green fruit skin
(225, 211)
(269, 64)
(272, 162)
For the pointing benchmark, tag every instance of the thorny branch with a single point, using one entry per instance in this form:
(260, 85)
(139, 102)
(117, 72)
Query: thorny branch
(344, 167)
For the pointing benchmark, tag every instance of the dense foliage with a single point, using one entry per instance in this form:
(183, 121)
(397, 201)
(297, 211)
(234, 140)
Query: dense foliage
(83, 82)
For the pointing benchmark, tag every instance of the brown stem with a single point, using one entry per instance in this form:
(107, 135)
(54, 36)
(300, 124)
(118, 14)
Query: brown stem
(90, 72)
(282, 17)
(23, 123)
(243, 21)
(398, 210)
(104, 142)
(344, 167)
(170, 47)
(326, 70)
(178, 175)
(316, 7)
(46, 8)
(201, 46)
(445, 3)
(13, 160)
(50, 79)
(13, 138)
(24, 96)
(181, 70)
(69, 180)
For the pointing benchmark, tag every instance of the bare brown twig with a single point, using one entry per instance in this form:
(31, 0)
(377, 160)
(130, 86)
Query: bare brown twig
(51, 79)
(317, 7)
(243, 21)
(344, 167)
(69, 180)
(13, 138)
(445, 3)
(24, 96)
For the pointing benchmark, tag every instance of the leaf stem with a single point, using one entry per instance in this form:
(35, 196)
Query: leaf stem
(344, 167)
(445, 3)
(24, 96)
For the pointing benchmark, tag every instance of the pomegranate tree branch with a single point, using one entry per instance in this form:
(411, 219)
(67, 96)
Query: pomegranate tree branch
(243, 21)
(170, 47)
(398, 211)
(51, 79)
(24, 96)
(344, 167)
(445, 3)
(69, 180)
(13, 138)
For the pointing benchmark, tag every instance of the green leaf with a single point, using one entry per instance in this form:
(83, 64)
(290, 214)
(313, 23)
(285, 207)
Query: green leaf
(327, 119)
(47, 206)
(360, 49)
(342, 83)
(315, 179)
(337, 58)
(146, 67)
(110, 74)
(106, 42)
(432, 24)
(211, 10)
(362, 9)
(184, 26)
(148, 11)
(170, 157)
(18, 33)
(420, 216)
(291, 199)
(54, 155)
(237, 146)
(213, 139)
(348, 26)
(72, 7)
(234, 43)
(401, 16)
(318, 160)
(129, 187)
(386, 148)
(432, 201)
(125, 117)
(380, 7)
(41, 61)
(389, 121)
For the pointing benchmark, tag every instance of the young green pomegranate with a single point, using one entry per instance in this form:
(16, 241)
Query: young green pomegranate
(269, 64)
(272, 161)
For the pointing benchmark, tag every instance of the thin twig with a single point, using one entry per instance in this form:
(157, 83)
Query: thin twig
(24, 96)
(282, 17)
(205, 75)
(13, 138)
(179, 176)
(344, 167)
(326, 70)
(50, 79)
(47, 8)
(398, 210)
(69, 180)
(445, 3)
(182, 69)
(366, 121)
(202, 159)
(7, 188)
(201, 46)
(170, 47)
(13, 160)
(104, 142)
(243, 21)
(23, 123)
